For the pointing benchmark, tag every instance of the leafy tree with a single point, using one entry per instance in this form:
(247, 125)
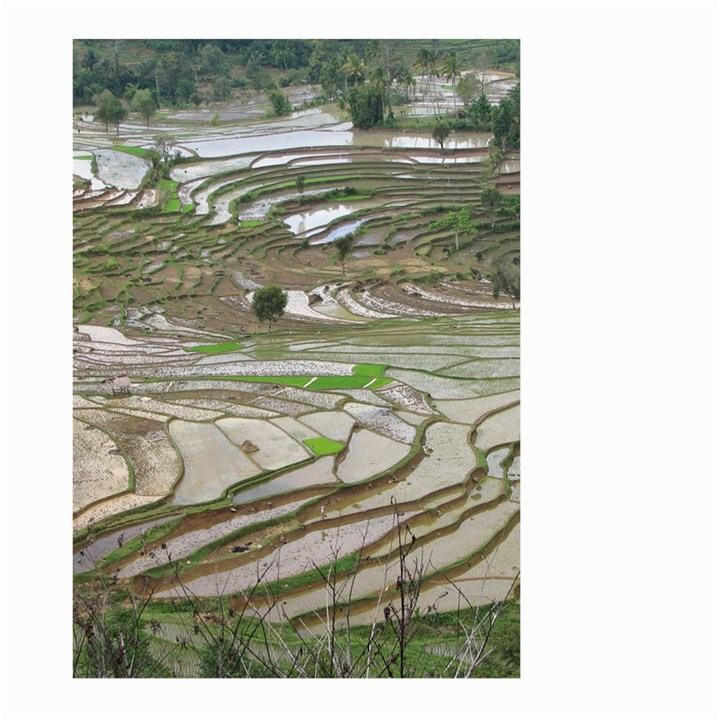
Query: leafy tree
(451, 71)
(468, 88)
(343, 246)
(174, 77)
(354, 67)
(144, 103)
(491, 197)
(90, 59)
(221, 89)
(440, 133)
(211, 60)
(110, 110)
(458, 221)
(166, 155)
(280, 103)
(269, 304)
(366, 106)
(479, 110)
(300, 183)
(256, 74)
(331, 78)
(424, 60)
(506, 121)
(505, 281)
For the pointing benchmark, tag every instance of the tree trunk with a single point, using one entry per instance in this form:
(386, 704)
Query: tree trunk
(457, 243)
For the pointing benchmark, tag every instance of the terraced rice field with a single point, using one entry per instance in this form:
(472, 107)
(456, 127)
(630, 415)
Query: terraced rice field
(389, 387)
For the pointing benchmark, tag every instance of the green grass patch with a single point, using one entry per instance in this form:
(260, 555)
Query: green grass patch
(369, 370)
(82, 157)
(323, 446)
(338, 382)
(292, 380)
(219, 348)
(167, 185)
(137, 151)
(251, 223)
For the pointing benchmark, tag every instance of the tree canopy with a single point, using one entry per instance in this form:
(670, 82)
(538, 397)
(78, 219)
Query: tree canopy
(440, 133)
(269, 304)
(366, 106)
(110, 110)
(458, 221)
(344, 245)
(144, 103)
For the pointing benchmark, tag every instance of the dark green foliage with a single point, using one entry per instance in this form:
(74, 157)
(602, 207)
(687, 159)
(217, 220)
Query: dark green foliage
(507, 281)
(280, 103)
(343, 246)
(366, 106)
(440, 133)
(269, 304)
(479, 110)
(222, 89)
(144, 103)
(468, 88)
(506, 122)
(491, 198)
(300, 183)
(458, 221)
(110, 110)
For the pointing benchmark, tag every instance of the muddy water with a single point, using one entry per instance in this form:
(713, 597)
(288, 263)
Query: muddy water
(184, 545)
(83, 169)
(336, 136)
(319, 217)
(318, 473)
(98, 549)
(338, 232)
(318, 547)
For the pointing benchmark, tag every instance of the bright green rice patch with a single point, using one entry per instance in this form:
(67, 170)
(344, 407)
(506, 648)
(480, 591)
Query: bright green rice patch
(323, 446)
(172, 206)
(293, 380)
(219, 348)
(338, 382)
(137, 151)
(82, 157)
(369, 370)
(167, 185)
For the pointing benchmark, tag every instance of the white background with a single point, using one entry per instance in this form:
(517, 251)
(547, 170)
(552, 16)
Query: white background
(619, 369)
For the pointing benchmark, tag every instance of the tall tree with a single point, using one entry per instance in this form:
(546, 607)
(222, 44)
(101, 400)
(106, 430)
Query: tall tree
(491, 198)
(366, 106)
(451, 71)
(458, 221)
(440, 133)
(144, 103)
(269, 303)
(110, 110)
(354, 67)
(505, 281)
(343, 246)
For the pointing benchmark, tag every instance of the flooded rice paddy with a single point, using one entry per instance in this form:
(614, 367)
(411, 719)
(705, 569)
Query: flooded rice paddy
(219, 431)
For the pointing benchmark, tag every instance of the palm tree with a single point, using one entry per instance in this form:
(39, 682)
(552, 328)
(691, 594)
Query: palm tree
(380, 80)
(354, 67)
(451, 70)
(423, 60)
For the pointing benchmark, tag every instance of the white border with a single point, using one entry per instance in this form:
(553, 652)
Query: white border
(620, 358)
